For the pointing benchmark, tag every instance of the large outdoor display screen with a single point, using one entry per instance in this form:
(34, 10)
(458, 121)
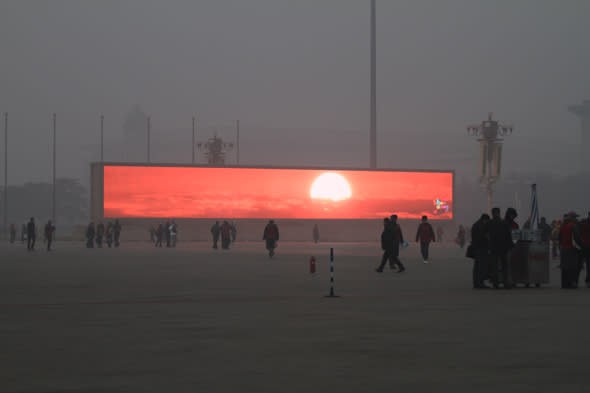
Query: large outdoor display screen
(260, 193)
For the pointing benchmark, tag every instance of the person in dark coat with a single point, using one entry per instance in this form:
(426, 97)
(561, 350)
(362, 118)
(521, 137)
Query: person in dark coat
(159, 235)
(569, 243)
(90, 233)
(500, 244)
(49, 230)
(99, 234)
(109, 234)
(424, 236)
(545, 230)
(271, 236)
(215, 229)
(398, 238)
(480, 244)
(167, 233)
(31, 235)
(387, 241)
(117, 232)
(225, 235)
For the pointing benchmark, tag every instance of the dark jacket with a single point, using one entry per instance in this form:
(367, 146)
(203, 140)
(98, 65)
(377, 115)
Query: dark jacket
(425, 233)
(271, 232)
(387, 239)
(500, 236)
(479, 236)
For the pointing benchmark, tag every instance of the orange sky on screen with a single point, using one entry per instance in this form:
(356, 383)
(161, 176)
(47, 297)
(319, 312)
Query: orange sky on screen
(136, 191)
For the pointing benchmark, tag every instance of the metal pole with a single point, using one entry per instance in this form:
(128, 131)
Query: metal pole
(101, 137)
(54, 139)
(5, 172)
(148, 138)
(373, 133)
(193, 140)
(238, 140)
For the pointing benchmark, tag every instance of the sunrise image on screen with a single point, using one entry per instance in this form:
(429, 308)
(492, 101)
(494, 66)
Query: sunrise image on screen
(201, 192)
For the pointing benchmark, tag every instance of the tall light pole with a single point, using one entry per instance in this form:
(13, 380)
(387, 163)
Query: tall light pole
(193, 140)
(5, 172)
(101, 137)
(54, 139)
(490, 133)
(238, 141)
(373, 133)
(148, 138)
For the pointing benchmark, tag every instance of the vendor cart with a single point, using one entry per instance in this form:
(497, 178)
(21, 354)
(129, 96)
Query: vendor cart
(529, 262)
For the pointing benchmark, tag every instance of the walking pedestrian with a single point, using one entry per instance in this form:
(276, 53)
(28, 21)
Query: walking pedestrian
(31, 234)
(397, 239)
(424, 236)
(271, 236)
(225, 235)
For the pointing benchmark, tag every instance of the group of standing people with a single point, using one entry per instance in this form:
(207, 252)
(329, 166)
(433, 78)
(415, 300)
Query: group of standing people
(98, 233)
(226, 231)
(168, 231)
(491, 242)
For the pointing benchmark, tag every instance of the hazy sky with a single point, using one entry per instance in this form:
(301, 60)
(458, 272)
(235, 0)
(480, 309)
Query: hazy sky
(296, 74)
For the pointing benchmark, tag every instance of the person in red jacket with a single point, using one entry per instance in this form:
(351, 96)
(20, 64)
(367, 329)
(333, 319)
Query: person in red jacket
(425, 235)
(569, 241)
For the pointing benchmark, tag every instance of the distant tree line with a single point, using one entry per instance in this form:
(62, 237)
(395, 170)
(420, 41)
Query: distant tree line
(34, 200)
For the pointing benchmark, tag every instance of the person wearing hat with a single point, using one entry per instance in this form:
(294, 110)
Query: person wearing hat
(569, 242)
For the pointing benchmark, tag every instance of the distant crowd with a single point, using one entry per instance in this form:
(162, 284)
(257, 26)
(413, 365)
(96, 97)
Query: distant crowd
(491, 241)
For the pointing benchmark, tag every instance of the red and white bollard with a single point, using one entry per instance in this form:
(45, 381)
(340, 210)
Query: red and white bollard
(312, 265)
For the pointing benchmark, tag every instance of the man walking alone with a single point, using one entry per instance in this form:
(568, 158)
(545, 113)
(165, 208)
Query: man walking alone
(425, 235)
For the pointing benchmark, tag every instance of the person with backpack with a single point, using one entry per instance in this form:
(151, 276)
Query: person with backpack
(271, 236)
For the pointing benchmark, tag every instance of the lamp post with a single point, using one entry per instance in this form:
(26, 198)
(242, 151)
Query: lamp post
(6, 172)
(101, 137)
(54, 156)
(490, 133)
(193, 144)
(238, 142)
(148, 138)
(373, 132)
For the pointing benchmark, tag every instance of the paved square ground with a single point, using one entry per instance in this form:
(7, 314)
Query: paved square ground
(191, 319)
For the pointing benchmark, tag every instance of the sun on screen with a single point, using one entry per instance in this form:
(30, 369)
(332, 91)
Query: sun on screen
(332, 186)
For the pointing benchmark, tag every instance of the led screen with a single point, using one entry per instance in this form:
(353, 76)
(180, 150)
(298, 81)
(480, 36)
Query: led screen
(201, 192)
